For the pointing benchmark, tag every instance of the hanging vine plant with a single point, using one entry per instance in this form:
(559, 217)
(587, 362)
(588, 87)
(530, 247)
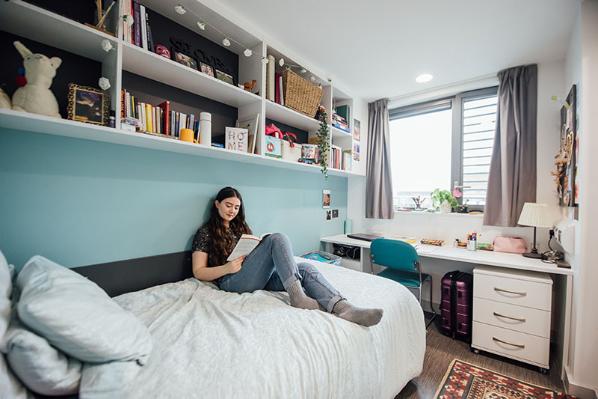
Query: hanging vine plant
(323, 136)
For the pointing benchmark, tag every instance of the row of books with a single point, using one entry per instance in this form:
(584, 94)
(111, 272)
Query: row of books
(159, 119)
(341, 117)
(139, 33)
(339, 159)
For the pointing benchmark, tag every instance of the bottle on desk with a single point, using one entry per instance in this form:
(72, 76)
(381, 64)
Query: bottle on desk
(472, 241)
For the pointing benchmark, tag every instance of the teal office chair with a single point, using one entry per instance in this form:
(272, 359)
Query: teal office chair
(402, 264)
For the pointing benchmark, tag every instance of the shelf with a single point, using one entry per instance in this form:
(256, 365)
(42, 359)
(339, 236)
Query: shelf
(63, 127)
(290, 117)
(32, 22)
(158, 68)
(339, 133)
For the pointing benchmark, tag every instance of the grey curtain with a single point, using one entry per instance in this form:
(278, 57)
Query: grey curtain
(512, 179)
(378, 197)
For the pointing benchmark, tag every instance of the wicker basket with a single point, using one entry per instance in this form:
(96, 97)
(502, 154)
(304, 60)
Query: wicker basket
(300, 94)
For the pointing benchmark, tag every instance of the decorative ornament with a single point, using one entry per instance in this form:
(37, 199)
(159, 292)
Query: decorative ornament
(128, 19)
(106, 45)
(225, 42)
(179, 9)
(162, 50)
(36, 96)
(265, 61)
(248, 52)
(104, 83)
(201, 25)
(323, 135)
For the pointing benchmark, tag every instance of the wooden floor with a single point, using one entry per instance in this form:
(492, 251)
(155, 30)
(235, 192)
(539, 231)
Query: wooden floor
(442, 350)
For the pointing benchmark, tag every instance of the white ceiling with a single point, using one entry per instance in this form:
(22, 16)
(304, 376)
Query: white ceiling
(376, 48)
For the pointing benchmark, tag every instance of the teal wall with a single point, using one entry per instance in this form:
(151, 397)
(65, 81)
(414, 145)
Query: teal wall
(81, 202)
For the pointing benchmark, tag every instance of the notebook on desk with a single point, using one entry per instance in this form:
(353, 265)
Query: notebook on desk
(363, 236)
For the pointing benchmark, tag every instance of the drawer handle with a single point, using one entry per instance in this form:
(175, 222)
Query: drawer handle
(510, 292)
(508, 317)
(508, 343)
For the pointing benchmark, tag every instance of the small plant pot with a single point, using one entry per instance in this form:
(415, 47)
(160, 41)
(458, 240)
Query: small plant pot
(445, 207)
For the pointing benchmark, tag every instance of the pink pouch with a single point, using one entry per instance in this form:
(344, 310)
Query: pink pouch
(516, 245)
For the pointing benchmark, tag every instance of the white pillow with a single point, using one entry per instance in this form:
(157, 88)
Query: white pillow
(77, 316)
(5, 291)
(10, 386)
(40, 366)
(107, 380)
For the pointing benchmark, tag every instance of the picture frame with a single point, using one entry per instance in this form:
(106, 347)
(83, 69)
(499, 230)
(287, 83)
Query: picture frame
(326, 199)
(356, 130)
(566, 159)
(207, 69)
(88, 105)
(225, 77)
(356, 151)
(185, 60)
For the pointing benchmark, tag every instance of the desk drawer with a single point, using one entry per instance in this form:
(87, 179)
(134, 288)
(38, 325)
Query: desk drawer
(512, 344)
(516, 291)
(512, 317)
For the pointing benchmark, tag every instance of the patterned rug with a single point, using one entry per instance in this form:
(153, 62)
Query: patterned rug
(466, 381)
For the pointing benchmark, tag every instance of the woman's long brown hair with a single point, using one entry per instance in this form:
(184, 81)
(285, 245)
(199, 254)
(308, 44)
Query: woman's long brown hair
(221, 244)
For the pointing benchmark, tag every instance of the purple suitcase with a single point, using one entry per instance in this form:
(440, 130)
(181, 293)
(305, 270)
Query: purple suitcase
(456, 305)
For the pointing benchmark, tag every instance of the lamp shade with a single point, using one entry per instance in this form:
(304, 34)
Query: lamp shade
(537, 215)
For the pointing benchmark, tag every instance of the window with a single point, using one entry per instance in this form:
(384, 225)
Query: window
(443, 144)
(420, 148)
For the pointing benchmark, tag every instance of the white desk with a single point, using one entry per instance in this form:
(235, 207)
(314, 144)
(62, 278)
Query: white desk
(490, 258)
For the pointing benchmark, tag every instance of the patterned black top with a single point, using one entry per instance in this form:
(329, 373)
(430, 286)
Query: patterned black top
(203, 242)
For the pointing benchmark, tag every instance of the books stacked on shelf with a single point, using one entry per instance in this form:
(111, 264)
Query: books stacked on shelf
(341, 117)
(160, 119)
(139, 32)
(335, 160)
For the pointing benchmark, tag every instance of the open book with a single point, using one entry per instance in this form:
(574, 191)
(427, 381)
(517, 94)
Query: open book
(245, 245)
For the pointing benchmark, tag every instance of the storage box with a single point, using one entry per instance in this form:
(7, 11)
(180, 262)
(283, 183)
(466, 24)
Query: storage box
(309, 151)
(273, 147)
(291, 153)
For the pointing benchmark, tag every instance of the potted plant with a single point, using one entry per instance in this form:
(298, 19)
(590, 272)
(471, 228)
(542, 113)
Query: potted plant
(323, 135)
(443, 200)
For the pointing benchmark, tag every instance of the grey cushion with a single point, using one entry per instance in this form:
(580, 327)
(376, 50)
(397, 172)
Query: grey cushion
(40, 366)
(78, 317)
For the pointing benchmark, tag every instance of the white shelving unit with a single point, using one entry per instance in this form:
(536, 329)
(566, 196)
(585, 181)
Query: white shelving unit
(35, 23)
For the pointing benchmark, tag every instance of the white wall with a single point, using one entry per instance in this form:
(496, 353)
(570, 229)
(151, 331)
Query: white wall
(581, 70)
(449, 227)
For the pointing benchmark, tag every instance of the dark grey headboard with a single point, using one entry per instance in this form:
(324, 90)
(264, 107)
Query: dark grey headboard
(136, 274)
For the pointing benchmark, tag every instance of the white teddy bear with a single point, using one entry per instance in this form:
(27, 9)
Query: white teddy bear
(36, 96)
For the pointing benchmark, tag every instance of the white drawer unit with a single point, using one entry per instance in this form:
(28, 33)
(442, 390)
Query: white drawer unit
(512, 313)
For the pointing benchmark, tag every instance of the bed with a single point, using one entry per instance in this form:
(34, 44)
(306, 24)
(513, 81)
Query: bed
(214, 344)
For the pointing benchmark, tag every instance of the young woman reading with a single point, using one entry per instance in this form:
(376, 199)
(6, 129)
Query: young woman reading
(270, 266)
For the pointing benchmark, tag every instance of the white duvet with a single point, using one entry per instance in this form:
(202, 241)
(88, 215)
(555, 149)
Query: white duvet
(214, 344)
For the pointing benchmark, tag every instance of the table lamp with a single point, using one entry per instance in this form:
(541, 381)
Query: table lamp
(536, 215)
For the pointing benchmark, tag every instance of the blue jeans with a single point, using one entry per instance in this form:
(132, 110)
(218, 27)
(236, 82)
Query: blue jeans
(271, 266)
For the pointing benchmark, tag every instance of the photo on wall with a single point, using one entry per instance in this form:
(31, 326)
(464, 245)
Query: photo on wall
(566, 160)
(356, 155)
(326, 199)
(356, 130)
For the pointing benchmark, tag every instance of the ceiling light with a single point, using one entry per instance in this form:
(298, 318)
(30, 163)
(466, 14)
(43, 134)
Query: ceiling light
(225, 42)
(201, 25)
(424, 78)
(247, 52)
(180, 9)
